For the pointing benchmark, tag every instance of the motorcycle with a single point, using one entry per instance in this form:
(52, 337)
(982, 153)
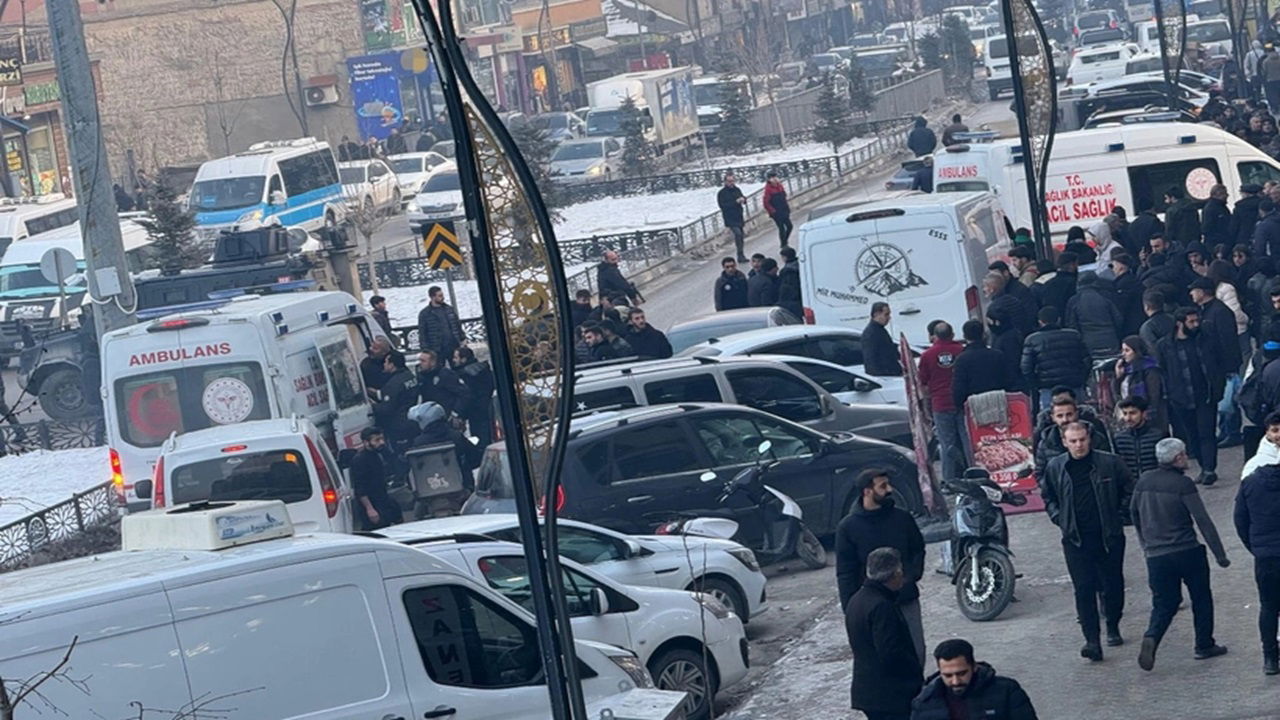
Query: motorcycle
(980, 557)
(777, 532)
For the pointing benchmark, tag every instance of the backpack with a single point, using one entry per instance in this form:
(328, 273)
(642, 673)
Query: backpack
(1252, 398)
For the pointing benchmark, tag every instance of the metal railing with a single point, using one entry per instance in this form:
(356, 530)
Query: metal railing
(52, 435)
(71, 517)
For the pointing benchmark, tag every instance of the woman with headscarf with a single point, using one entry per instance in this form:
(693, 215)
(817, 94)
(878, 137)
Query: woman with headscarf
(1100, 233)
(1138, 375)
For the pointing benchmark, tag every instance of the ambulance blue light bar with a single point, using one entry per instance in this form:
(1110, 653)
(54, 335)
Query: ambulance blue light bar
(270, 289)
(153, 313)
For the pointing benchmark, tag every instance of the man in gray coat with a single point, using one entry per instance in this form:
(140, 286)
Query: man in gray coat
(1166, 509)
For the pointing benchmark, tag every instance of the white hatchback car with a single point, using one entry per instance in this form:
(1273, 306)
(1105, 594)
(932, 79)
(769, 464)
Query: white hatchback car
(671, 631)
(370, 186)
(412, 170)
(721, 568)
(439, 199)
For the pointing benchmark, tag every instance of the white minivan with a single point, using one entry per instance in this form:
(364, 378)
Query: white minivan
(1091, 64)
(996, 63)
(923, 254)
(225, 607)
(23, 217)
(283, 459)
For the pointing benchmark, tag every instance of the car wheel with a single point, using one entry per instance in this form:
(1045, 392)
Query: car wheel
(726, 592)
(394, 207)
(810, 551)
(62, 395)
(684, 671)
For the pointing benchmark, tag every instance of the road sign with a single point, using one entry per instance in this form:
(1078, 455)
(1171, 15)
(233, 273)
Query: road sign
(441, 243)
(57, 264)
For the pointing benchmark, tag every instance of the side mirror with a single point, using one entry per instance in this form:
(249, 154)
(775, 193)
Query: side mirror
(635, 549)
(142, 489)
(345, 457)
(599, 601)
(764, 447)
(277, 197)
(707, 477)
(863, 385)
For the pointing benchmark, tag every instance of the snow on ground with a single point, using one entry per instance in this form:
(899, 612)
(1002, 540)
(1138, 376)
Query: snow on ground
(612, 215)
(791, 153)
(41, 478)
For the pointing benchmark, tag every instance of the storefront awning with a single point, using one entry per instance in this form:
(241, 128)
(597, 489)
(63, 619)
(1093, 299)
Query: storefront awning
(597, 45)
(14, 124)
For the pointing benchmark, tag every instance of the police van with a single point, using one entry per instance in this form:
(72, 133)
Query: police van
(1092, 171)
(924, 254)
(225, 607)
(20, 218)
(292, 183)
(232, 360)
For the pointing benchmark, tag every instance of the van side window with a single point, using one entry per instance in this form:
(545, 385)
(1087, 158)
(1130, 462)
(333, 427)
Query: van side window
(1257, 173)
(274, 186)
(776, 392)
(1150, 182)
(466, 640)
(608, 397)
(695, 388)
(308, 172)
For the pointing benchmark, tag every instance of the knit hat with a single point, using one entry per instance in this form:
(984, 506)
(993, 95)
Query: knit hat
(1203, 283)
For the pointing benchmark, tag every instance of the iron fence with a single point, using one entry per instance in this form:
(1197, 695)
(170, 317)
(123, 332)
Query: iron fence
(19, 539)
(51, 435)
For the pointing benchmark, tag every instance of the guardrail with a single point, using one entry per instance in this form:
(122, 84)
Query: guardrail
(19, 539)
(52, 435)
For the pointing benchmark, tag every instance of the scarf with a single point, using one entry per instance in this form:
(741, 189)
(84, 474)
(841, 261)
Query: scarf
(1135, 376)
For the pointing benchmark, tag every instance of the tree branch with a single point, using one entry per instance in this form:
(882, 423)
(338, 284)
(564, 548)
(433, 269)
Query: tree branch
(35, 681)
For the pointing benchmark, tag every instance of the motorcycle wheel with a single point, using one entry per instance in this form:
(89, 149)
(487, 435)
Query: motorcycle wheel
(994, 589)
(810, 550)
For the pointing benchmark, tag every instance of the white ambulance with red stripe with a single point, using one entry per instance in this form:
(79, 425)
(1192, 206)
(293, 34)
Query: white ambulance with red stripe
(251, 357)
(1131, 165)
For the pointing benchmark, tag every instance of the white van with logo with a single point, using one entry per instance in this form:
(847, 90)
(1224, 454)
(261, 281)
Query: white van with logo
(1093, 171)
(923, 254)
(248, 358)
(225, 608)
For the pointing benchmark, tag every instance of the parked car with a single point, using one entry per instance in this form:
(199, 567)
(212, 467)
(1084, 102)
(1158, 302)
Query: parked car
(628, 468)
(284, 459)
(704, 327)
(721, 568)
(585, 160)
(756, 382)
(412, 170)
(1096, 20)
(560, 126)
(828, 62)
(369, 185)
(439, 199)
(840, 346)
(445, 148)
(1099, 37)
(689, 641)
(847, 386)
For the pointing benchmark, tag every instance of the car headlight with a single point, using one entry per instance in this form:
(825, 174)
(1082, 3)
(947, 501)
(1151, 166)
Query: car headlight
(712, 605)
(595, 170)
(631, 665)
(251, 216)
(746, 557)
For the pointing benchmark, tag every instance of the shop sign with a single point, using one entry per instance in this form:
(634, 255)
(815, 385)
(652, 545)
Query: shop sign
(10, 70)
(595, 27)
(559, 37)
(42, 94)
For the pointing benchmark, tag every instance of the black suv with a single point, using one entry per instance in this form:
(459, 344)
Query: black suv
(624, 469)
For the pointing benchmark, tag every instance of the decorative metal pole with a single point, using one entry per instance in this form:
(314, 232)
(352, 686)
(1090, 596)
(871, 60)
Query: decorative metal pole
(529, 328)
(1172, 42)
(1035, 95)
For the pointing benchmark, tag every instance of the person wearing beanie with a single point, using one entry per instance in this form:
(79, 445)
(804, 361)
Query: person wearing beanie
(1266, 234)
(1245, 214)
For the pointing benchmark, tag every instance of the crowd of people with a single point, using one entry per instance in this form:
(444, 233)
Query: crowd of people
(414, 135)
(616, 327)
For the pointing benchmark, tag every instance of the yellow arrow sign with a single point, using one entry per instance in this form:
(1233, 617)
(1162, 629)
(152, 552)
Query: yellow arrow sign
(441, 244)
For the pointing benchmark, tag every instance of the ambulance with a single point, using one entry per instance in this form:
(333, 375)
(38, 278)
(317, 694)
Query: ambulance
(233, 360)
(1093, 171)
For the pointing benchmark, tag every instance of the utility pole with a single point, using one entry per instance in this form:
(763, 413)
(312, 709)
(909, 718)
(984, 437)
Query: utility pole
(110, 286)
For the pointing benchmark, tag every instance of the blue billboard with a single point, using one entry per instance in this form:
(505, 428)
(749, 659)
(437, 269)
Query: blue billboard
(384, 83)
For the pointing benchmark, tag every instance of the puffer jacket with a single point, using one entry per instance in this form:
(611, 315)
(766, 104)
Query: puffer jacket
(988, 696)
(1097, 318)
(1055, 356)
(1137, 447)
(1257, 512)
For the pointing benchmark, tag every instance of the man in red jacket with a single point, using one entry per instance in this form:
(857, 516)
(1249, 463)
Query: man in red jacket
(937, 365)
(775, 203)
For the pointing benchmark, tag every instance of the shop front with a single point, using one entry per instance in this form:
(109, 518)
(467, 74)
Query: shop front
(35, 153)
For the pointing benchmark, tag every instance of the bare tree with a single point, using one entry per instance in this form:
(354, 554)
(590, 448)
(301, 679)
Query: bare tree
(366, 219)
(18, 691)
(226, 120)
(754, 57)
(205, 707)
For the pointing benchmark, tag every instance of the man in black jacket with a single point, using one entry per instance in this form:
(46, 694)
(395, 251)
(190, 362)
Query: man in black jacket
(1006, 339)
(1181, 218)
(886, 667)
(978, 368)
(1143, 227)
(647, 341)
(1215, 219)
(610, 282)
(440, 385)
(1194, 381)
(1257, 521)
(1057, 290)
(1127, 291)
(762, 288)
(789, 282)
(373, 366)
(399, 393)
(438, 326)
(1024, 318)
(1054, 356)
(1166, 509)
(731, 201)
(1246, 215)
(731, 286)
(1135, 442)
(879, 351)
(921, 139)
(478, 378)
(875, 522)
(1159, 324)
(1092, 312)
(1218, 321)
(967, 689)
(374, 507)
(1051, 441)
(1266, 234)
(378, 305)
(581, 307)
(1086, 494)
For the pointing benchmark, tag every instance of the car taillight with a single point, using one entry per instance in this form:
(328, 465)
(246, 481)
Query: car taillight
(971, 300)
(560, 498)
(157, 484)
(808, 316)
(327, 488)
(117, 475)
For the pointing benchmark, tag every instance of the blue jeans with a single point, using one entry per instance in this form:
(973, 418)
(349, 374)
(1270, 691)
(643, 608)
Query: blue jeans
(948, 427)
(1229, 410)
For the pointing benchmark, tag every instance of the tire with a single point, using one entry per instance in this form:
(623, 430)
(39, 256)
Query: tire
(810, 550)
(726, 592)
(62, 395)
(684, 670)
(995, 573)
(394, 208)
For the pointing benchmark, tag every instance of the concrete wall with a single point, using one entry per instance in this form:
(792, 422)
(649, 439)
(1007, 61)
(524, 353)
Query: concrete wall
(912, 97)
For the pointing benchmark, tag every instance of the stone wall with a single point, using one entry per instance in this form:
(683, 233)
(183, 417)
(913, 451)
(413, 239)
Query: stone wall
(167, 67)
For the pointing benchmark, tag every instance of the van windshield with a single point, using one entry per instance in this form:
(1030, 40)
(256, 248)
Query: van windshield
(17, 278)
(270, 475)
(154, 405)
(998, 47)
(1208, 32)
(227, 193)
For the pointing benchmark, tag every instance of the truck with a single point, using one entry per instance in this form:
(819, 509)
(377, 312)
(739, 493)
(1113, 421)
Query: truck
(709, 93)
(665, 100)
